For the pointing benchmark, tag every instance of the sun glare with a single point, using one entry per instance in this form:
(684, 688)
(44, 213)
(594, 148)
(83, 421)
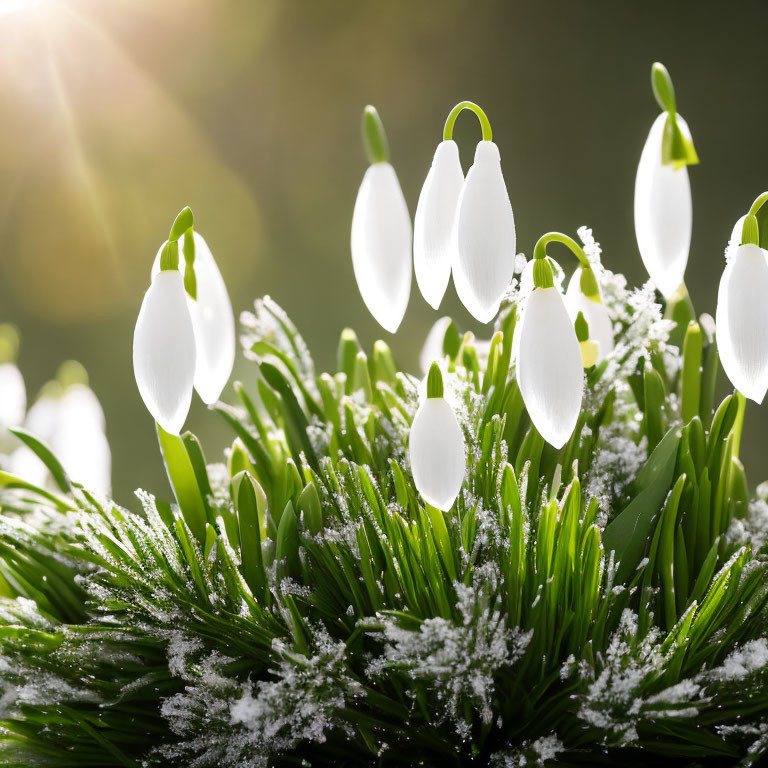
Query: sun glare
(8, 7)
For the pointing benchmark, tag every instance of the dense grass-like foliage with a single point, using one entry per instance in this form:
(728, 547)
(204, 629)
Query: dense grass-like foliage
(300, 605)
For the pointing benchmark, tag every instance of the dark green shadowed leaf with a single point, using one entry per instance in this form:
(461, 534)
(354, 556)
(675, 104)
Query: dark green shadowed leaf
(628, 534)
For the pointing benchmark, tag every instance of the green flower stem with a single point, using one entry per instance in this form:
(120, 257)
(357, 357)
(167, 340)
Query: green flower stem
(760, 201)
(485, 124)
(677, 148)
(374, 136)
(183, 227)
(542, 271)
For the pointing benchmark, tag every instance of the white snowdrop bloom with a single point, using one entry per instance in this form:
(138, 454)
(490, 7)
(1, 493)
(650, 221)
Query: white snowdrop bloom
(595, 313)
(742, 321)
(526, 278)
(484, 232)
(663, 211)
(164, 351)
(433, 225)
(433, 344)
(25, 463)
(79, 440)
(436, 447)
(381, 245)
(212, 321)
(13, 399)
(549, 366)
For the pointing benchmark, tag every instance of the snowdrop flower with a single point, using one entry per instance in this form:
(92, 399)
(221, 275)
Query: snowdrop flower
(583, 296)
(68, 417)
(742, 314)
(663, 211)
(436, 447)
(549, 361)
(213, 321)
(381, 232)
(164, 352)
(433, 226)
(484, 227)
(434, 343)
(13, 394)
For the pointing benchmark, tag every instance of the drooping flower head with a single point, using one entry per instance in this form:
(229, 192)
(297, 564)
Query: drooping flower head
(164, 352)
(663, 211)
(548, 356)
(436, 447)
(583, 298)
(742, 310)
(381, 232)
(484, 241)
(213, 321)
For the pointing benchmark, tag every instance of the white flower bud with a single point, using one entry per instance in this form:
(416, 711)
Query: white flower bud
(164, 351)
(549, 366)
(433, 225)
(381, 245)
(484, 254)
(663, 212)
(742, 321)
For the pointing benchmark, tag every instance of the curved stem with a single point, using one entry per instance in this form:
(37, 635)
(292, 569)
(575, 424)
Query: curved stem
(540, 249)
(485, 124)
(760, 201)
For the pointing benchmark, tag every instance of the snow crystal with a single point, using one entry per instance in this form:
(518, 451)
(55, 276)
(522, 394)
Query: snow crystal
(458, 661)
(751, 657)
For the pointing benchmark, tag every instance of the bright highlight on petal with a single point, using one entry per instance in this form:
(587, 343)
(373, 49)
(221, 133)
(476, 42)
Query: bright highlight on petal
(663, 212)
(436, 448)
(484, 255)
(212, 320)
(549, 366)
(381, 245)
(742, 321)
(433, 225)
(596, 315)
(164, 351)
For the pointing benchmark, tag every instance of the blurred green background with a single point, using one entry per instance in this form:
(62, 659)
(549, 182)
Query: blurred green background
(116, 113)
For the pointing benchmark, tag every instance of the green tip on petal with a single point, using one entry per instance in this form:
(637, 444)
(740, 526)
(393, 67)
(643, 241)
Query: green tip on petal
(588, 285)
(676, 147)
(663, 89)
(451, 341)
(435, 381)
(750, 231)
(374, 137)
(182, 223)
(9, 343)
(582, 327)
(71, 372)
(543, 276)
(169, 258)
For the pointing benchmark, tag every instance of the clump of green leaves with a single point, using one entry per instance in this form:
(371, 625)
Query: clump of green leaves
(601, 603)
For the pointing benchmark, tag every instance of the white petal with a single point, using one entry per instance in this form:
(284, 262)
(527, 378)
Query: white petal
(596, 315)
(164, 351)
(663, 213)
(43, 417)
(436, 448)
(13, 399)
(433, 225)
(549, 367)
(381, 245)
(484, 255)
(79, 441)
(212, 320)
(433, 344)
(25, 463)
(742, 321)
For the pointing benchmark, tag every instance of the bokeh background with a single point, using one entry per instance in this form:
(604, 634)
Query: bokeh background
(116, 113)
